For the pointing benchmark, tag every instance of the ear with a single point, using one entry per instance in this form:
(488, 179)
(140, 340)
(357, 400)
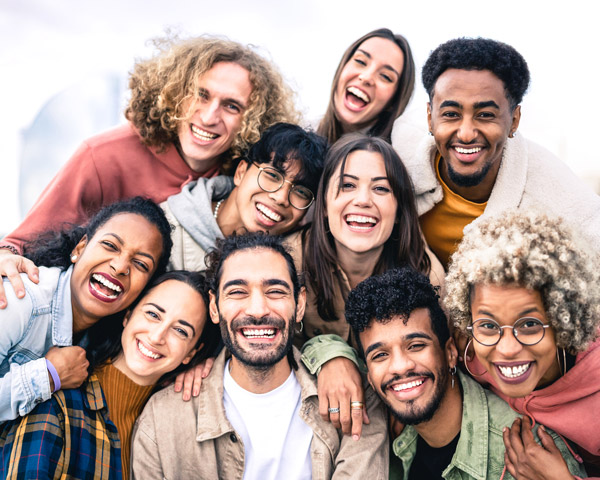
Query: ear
(369, 379)
(213, 310)
(126, 318)
(240, 172)
(301, 307)
(451, 353)
(429, 116)
(516, 119)
(80, 247)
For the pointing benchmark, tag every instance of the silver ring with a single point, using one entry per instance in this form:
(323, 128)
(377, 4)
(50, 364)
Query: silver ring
(334, 410)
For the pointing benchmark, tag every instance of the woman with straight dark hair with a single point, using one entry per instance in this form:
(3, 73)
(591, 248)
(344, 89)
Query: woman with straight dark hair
(365, 223)
(371, 86)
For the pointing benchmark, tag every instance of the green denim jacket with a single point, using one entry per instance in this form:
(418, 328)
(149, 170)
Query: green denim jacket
(480, 451)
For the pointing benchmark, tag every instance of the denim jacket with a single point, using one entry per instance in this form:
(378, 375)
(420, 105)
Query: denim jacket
(479, 454)
(28, 328)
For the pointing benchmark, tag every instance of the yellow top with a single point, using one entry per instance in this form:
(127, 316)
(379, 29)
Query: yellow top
(125, 400)
(443, 225)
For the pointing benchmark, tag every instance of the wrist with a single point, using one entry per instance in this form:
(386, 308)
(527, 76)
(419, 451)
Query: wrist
(54, 377)
(9, 248)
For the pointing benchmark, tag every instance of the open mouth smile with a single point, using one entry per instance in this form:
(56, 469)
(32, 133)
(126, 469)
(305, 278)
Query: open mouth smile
(271, 217)
(254, 333)
(356, 99)
(201, 134)
(515, 373)
(360, 223)
(146, 352)
(105, 287)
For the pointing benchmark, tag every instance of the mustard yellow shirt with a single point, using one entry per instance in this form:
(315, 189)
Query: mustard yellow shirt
(443, 225)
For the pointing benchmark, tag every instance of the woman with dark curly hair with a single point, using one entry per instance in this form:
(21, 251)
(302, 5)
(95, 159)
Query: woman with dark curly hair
(195, 107)
(371, 86)
(528, 297)
(86, 432)
(87, 273)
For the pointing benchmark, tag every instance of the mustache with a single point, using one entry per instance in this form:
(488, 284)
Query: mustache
(257, 322)
(397, 378)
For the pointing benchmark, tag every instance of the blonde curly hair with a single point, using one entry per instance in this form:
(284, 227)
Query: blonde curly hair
(536, 252)
(161, 86)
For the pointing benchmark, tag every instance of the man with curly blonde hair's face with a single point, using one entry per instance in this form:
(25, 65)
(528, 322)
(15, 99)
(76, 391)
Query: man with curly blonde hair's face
(194, 109)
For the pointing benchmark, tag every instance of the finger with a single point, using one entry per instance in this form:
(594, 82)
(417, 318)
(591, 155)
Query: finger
(345, 416)
(188, 382)
(515, 437)
(179, 382)
(31, 270)
(198, 376)
(357, 414)
(510, 466)
(526, 433)
(547, 441)
(366, 419)
(323, 406)
(208, 364)
(16, 281)
(2, 296)
(509, 452)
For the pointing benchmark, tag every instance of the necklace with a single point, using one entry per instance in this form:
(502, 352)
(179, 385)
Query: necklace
(217, 206)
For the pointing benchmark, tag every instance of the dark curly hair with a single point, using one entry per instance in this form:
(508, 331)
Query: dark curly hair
(479, 54)
(105, 336)
(395, 293)
(285, 142)
(54, 248)
(227, 246)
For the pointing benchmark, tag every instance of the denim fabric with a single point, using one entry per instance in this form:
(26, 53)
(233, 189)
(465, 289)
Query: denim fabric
(28, 328)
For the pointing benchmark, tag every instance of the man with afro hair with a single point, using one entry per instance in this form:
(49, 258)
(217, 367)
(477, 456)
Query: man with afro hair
(475, 164)
(451, 426)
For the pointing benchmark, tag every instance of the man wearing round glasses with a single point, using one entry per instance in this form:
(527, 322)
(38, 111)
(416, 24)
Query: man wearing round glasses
(271, 191)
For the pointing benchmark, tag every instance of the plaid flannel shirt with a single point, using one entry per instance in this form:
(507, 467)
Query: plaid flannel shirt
(69, 436)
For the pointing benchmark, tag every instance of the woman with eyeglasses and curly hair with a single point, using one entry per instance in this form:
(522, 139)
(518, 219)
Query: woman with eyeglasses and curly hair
(527, 295)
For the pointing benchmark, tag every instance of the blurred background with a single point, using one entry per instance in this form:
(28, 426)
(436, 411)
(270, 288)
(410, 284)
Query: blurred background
(64, 66)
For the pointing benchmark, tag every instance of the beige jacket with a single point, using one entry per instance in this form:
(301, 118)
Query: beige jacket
(169, 444)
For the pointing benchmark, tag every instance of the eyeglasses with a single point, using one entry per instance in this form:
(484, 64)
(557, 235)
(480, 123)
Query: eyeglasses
(527, 331)
(270, 180)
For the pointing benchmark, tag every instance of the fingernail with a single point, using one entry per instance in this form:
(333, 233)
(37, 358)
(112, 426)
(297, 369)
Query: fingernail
(177, 389)
(186, 396)
(20, 293)
(355, 438)
(2, 303)
(196, 392)
(505, 429)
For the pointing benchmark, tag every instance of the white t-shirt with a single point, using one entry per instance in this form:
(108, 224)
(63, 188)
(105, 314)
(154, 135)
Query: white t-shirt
(276, 440)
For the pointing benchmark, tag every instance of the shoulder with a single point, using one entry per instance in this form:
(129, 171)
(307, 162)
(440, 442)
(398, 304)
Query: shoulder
(122, 134)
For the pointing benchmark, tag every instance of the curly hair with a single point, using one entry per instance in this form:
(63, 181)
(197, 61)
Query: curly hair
(479, 54)
(395, 293)
(536, 252)
(330, 126)
(54, 248)
(161, 87)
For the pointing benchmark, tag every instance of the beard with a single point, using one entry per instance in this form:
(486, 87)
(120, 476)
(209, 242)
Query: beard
(414, 414)
(262, 356)
(468, 180)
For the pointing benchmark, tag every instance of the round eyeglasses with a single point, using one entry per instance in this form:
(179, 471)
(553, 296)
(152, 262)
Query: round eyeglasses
(270, 180)
(527, 331)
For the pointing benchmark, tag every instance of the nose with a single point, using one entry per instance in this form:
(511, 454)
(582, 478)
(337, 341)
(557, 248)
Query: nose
(257, 305)
(467, 132)
(401, 364)
(366, 75)
(120, 265)
(508, 346)
(157, 332)
(363, 197)
(282, 196)
(209, 112)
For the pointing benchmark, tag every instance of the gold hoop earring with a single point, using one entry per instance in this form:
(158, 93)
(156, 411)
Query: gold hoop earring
(466, 364)
(564, 367)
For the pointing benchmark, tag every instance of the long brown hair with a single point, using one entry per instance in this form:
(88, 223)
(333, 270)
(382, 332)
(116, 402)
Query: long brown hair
(405, 246)
(330, 126)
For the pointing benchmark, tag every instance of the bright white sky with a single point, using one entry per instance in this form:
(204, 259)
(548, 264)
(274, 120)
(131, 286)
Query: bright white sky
(49, 46)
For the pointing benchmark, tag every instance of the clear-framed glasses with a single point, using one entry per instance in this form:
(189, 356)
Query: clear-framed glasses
(270, 180)
(527, 331)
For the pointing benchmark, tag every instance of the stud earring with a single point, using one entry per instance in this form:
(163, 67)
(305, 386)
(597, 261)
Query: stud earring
(73, 258)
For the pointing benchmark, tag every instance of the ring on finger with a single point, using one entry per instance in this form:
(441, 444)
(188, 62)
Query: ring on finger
(333, 409)
(356, 405)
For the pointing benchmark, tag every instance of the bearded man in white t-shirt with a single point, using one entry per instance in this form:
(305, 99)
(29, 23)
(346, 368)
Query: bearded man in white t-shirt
(257, 415)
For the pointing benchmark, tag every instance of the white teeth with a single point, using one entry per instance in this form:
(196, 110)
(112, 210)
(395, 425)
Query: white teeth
(514, 372)
(406, 386)
(359, 93)
(258, 333)
(203, 134)
(360, 219)
(267, 212)
(147, 352)
(468, 150)
(106, 282)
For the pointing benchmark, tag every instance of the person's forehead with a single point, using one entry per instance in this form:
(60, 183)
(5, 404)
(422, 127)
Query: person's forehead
(255, 266)
(227, 79)
(468, 84)
(398, 329)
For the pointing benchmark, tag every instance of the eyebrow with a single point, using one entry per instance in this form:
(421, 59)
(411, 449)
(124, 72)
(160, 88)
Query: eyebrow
(267, 282)
(142, 254)
(476, 105)
(373, 179)
(238, 102)
(521, 313)
(386, 65)
(183, 322)
(410, 336)
(372, 347)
